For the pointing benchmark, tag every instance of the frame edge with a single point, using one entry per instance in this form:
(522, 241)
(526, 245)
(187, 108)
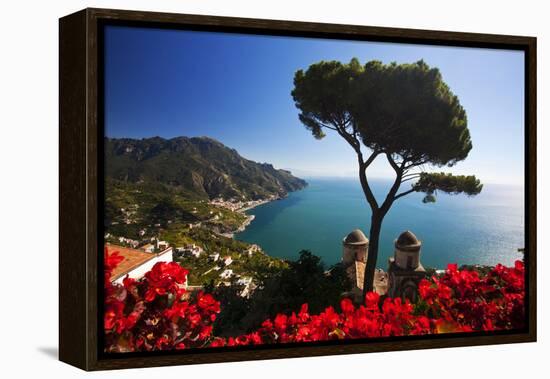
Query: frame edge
(72, 190)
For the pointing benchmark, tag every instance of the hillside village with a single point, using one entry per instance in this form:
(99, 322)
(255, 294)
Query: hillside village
(203, 247)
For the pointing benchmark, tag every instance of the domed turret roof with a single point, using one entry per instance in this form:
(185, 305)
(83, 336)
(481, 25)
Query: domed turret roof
(407, 241)
(357, 237)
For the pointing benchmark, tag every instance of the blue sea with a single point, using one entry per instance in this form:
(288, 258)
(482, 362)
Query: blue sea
(484, 229)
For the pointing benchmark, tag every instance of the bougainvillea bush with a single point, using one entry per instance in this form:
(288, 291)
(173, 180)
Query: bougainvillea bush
(153, 313)
(156, 313)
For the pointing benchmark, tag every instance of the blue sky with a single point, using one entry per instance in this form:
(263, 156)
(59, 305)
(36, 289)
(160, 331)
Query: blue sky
(236, 89)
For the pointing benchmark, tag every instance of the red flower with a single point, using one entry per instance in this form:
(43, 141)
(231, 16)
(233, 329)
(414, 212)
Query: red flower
(280, 323)
(303, 315)
(330, 317)
(452, 267)
(165, 278)
(112, 260)
(207, 303)
(371, 300)
(347, 306)
(444, 292)
(217, 342)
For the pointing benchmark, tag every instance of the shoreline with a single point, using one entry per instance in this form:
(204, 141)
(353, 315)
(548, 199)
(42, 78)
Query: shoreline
(249, 218)
(247, 221)
(259, 202)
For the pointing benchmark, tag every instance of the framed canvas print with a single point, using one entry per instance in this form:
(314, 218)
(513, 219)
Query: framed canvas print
(237, 189)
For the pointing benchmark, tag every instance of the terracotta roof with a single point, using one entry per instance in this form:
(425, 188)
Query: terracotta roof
(132, 259)
(407, 241)
(357, 237)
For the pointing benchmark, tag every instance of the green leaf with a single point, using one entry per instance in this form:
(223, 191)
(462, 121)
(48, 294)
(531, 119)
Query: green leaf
(430, 183)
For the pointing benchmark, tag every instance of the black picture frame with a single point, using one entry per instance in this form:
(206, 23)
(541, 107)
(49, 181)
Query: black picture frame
(81, 176)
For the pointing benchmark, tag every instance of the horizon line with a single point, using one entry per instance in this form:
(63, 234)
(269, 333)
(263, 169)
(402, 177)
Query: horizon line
(305, 175)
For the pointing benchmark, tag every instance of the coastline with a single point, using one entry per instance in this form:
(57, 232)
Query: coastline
(247, 221)
(257, 204)
(249, 218)
(253, 204)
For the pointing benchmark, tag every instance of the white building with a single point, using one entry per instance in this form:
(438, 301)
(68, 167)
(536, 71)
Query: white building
(136, 262)
(190, 250)
(162, 245)
(227, 260)
(248, 286)
(226, 274)
(252, 249)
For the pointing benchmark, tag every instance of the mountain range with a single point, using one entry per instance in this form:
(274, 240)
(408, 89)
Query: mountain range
(201, 167)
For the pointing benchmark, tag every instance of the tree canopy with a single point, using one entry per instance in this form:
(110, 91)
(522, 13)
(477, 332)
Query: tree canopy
(404, 111)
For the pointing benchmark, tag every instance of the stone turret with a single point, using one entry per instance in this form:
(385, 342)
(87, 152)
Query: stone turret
(355, 247)
(407, 251)
(405, 270)
(354, 260)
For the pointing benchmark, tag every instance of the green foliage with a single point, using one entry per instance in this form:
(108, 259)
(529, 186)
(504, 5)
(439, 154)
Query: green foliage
(430, 183)
(429, 198)
(324, 93)
(155, 206)
(168, 208)
(406, 110)
(234, 309)
(409, 110)
(179, 235)
(257, 265)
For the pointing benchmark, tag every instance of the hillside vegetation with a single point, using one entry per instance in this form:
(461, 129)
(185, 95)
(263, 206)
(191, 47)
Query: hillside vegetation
(198, 167)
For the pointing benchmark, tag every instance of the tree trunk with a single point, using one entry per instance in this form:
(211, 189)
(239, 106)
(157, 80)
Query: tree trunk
(372, 257)
(378, 213)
